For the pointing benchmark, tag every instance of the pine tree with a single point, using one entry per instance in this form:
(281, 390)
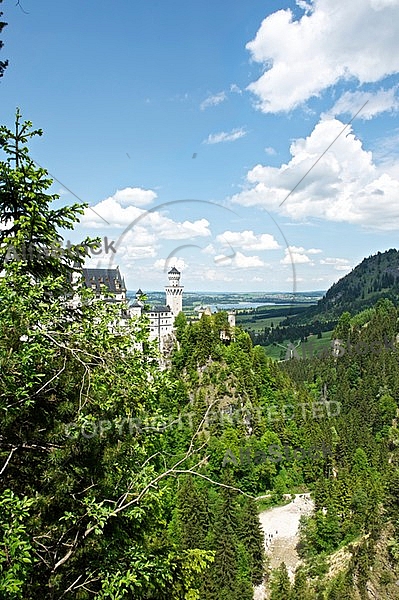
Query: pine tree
(223, 580)
(280, 584)
(300, 589)
(251, 533)
(193, 516)
(29, 228)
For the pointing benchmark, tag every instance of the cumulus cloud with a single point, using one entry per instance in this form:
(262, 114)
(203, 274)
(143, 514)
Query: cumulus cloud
(138, 243)
(339, 264)
(238, 260)
(173, 261)
(295, 256)
(248, 240)
(223, 136)
(302, 250)
(377, 103)
(331, 42)
(134, 196)
(213, 100)
(344, 186)
(247, 262)
(209, 249)
(119, 213)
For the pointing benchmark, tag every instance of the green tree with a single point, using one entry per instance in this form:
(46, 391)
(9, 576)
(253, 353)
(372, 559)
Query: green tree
(280, 584)
(30, 229)
(180, 326)
(343, 327)
(300, 590)
(194, 518)
(90, 486)
(16, 552)
(251, 533)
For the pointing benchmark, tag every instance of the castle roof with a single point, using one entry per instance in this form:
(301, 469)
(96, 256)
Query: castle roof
(111, 278)
(135, 304)
(159, 308)
(174, 271)
(139, 292)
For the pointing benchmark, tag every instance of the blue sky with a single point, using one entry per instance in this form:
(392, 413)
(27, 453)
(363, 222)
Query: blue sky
(185, 125)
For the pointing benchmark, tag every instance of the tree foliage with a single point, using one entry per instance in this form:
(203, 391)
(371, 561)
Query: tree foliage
(30, 233)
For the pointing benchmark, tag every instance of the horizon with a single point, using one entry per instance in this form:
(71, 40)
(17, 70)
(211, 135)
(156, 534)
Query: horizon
(213, 292)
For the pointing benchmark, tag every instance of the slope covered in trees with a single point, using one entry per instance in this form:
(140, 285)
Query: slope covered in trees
(374, 278)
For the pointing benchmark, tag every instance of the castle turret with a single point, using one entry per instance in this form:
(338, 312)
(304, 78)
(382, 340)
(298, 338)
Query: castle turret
(174, 292)
(231, 315)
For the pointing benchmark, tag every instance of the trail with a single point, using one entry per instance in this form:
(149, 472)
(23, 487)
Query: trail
(280, 526)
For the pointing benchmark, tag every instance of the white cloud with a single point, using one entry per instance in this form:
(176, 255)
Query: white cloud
(134, 196)
(302, 250)
(168, 229)
(238, 260)
(223, 136)
(306, 6)
(295, 258)
(241, 261)
(270, 151)
(377, 103)
(173, 261)
(298, 255)
(339, 264)
(234, 89)
(153, 221)
(213, 100)
(209, 249)
(333, 41)
(248, 240)
(344, 186)
(136, 244)
(247, 262)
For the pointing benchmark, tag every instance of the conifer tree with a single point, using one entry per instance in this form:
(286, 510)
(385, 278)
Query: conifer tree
(29, 227)
(280, 584)
(223, 581)
(193, 516)
(300, 590)
(251, 534)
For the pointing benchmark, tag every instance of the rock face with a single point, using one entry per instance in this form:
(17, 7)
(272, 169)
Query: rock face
(281, 526)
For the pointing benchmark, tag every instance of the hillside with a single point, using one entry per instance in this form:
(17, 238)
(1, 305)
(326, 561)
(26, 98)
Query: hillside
(375, 277)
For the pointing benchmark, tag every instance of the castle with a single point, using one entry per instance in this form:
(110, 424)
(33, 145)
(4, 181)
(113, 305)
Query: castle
(161, 317)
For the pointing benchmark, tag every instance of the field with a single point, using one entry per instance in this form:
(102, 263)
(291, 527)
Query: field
(258, 318)
(312, 346)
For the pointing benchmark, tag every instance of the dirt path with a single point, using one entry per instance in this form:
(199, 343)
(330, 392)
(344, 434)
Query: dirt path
(280, 526)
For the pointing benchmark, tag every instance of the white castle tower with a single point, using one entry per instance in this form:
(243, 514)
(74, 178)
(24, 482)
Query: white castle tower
(174, 292)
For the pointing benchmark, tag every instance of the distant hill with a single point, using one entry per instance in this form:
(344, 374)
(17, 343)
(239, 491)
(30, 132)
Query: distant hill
(375, 277)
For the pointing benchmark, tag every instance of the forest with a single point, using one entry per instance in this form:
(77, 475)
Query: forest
(115, 481)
